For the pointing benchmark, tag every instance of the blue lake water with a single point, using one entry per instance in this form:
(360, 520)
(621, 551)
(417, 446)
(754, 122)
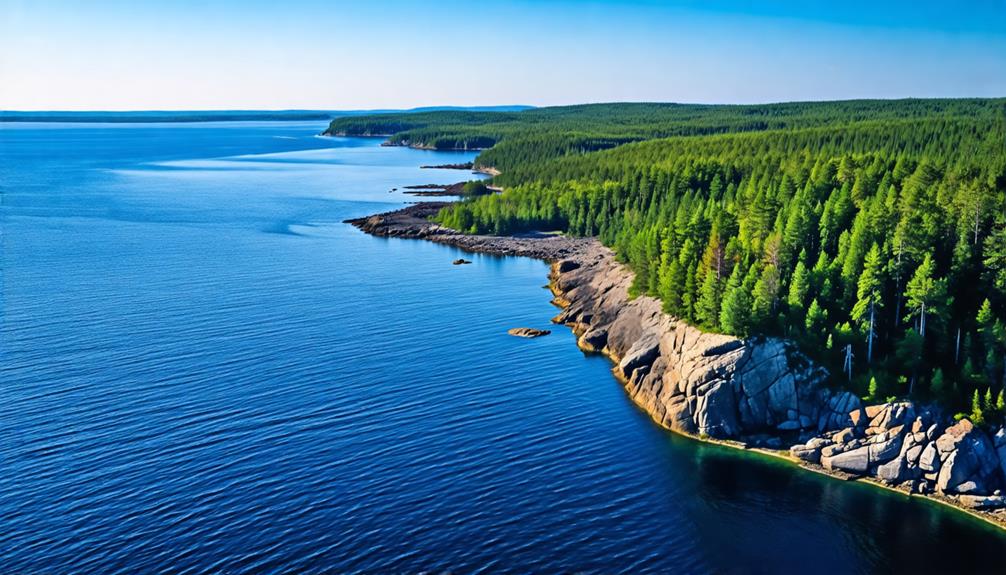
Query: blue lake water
(204, 371)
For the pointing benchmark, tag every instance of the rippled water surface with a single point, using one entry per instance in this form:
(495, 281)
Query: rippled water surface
(204, 371)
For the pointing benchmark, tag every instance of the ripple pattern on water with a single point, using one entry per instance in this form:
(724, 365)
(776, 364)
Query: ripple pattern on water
(204, 371)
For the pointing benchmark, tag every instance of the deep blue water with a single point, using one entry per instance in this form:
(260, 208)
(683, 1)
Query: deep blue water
(204, 371)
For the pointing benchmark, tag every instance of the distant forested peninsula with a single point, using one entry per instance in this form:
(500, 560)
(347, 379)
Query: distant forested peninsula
(872, 233)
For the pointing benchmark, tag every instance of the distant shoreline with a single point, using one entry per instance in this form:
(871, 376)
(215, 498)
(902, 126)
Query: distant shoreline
(160, 117)
(169, 116)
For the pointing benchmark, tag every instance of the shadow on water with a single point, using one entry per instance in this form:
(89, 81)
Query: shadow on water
(822, 516)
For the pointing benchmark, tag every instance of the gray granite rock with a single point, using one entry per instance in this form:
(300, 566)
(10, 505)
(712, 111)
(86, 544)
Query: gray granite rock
(853, 461)
(642, 354)
(970, 464)
(728, 387)
(929, 461)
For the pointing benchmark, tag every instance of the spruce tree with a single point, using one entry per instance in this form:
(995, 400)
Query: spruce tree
(707, 309)
(926, 296)
(869, 295)
(735, 316)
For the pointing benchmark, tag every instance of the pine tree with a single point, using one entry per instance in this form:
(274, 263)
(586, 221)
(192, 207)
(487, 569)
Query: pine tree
(688, 297)
(985, 317)
(766, 294)
(977, 416)
(735, 315)
(995, 255)
(926, 296)
(707, 309)
(872, 391)
(799, 287)
(869, 295)
(817, 319)
(991, 331)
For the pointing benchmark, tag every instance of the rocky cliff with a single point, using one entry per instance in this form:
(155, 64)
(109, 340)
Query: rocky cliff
(764, 392)
(687, 379)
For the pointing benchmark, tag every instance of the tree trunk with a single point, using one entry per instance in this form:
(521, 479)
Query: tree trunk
(869, 345)
(957, 348)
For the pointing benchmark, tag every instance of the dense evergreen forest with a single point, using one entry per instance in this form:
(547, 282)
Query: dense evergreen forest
(872, 233)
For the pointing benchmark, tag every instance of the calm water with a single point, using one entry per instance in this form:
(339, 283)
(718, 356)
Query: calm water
(204, 371)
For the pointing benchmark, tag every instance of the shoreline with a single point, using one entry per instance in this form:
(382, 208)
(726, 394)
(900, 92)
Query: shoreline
(566, 255)
(411, 222)
(488, 171)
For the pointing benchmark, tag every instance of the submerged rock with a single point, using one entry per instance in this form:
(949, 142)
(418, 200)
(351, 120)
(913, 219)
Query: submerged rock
(528, 332)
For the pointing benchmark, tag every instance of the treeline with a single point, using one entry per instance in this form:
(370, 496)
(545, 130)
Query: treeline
(875, 237)
(515, 139)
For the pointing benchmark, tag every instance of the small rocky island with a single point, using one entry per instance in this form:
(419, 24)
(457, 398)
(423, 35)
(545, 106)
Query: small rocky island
(528, 332)
(464, 166)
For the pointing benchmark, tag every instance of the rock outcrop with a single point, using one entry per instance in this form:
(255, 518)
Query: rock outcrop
(903, 446)
(528, 332)
(412, 222)
(765, 392)
(687, 379)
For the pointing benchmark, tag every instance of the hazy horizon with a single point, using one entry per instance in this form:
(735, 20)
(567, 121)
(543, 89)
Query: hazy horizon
(309, 55)
(470, 107)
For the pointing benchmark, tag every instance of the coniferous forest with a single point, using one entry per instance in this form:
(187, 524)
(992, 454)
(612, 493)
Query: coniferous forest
(870, 231)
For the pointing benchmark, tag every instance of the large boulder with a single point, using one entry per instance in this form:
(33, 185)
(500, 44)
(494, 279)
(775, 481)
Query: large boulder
(999, 440)
(969, 463)
(810, 451)
(886, 445)
(853, 461)
(983, 502)
(929, 460)
(889, 415)
(894, 471)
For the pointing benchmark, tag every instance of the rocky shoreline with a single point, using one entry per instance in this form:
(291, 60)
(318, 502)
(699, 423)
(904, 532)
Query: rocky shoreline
(412, 222)
(756, 393)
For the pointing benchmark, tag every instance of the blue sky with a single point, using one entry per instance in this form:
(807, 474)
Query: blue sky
(186, 54)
